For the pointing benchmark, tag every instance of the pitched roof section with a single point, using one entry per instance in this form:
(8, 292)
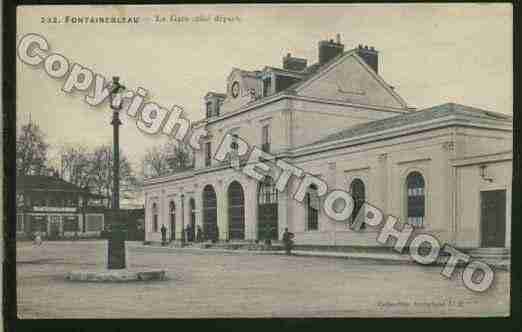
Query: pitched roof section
(310, 74)
(42, 182)
(316, 71)
(425, 115)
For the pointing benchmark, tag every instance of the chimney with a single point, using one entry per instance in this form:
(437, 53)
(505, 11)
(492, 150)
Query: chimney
(293, 63)
(329, 49)
(370, 56)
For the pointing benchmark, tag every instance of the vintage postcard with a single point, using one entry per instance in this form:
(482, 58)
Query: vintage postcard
(243, 161)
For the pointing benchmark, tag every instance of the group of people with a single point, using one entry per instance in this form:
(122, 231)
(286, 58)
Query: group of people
(287, 237)
(189, 234)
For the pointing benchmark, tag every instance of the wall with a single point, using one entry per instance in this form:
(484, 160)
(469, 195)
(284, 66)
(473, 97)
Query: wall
(313, 120)
(468, 209)
(248, 126)
(383, 167)
(351, 81)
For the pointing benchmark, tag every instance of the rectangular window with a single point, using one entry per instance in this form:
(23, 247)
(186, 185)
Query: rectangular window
(265, 140)
(208, 154)
(70, 224)
(267, 86)
(39, 223)
(94, 222)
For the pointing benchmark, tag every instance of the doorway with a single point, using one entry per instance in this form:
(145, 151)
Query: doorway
(493, 218)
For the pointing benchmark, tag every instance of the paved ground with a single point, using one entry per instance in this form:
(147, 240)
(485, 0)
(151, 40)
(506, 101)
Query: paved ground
(206, 284)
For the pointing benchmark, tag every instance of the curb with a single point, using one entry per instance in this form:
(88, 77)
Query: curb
(391, 259)
(115, 275)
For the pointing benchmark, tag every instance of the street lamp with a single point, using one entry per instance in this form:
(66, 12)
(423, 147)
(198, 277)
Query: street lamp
(116, 245)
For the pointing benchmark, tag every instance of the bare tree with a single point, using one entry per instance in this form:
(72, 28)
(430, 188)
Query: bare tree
(166, 159)
(31, 150)
(155, 162)
(76, 165)
(102, 174)
(179, 156)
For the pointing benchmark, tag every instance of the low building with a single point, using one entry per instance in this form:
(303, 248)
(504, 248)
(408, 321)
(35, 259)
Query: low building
(56, 208)
(445, 170)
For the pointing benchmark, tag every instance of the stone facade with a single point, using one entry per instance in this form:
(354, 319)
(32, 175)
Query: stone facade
(342, 122)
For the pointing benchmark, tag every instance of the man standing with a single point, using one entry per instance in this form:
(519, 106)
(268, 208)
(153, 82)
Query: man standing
(38, 239)
(287, 241)
(199, 234)
(187, 233)
(163, 235)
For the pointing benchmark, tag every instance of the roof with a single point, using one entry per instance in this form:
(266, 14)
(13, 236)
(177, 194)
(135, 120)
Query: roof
(413, 118)
(218, 94)
(43, 182)
(317, 68)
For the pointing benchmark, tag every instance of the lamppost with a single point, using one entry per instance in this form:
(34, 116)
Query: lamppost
(116, 245)
(182, 220)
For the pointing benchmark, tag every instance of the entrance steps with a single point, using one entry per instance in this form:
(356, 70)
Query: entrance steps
(491, 253)
(243, 245)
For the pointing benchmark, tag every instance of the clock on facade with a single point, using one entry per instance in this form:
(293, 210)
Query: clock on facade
(235, 89)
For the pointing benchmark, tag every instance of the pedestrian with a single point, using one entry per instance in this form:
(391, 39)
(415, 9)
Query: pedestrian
(199, 234)
(38, 239)
(287, 241)
(163, 235)
(187, 233)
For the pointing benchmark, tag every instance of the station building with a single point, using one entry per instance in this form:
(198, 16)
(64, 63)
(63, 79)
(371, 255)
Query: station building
(446, 170)
(55, 208)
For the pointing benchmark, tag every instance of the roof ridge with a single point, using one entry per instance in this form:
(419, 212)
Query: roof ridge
(395, 120)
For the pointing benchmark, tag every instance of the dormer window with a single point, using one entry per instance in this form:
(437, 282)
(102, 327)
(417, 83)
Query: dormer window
(267, 86)
(209, 109)
(213, 102)
(218, 106)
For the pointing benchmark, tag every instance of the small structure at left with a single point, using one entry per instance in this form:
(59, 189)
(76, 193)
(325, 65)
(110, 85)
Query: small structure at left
(54, 208)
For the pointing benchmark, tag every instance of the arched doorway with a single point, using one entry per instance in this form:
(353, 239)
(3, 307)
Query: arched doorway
(192, 221)
(267, 198)
(236, 212)
(210, 228)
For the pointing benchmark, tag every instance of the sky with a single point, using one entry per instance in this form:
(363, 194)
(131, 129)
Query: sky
(431, 54)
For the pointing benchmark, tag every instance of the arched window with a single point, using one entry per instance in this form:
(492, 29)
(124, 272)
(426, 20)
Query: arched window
(415, 192)
(312, 208)
(172, 212)
(358, 192)
(154, 217)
